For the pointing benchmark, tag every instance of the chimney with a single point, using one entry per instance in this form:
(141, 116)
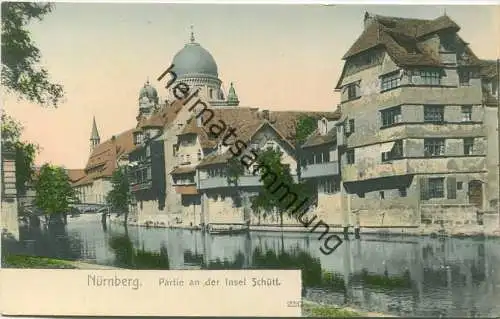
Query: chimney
(265, 115)
(367, 20)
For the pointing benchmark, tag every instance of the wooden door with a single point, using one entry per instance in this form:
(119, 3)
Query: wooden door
(476, 193)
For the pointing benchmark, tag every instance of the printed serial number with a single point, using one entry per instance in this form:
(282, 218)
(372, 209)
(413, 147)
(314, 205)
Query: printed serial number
(294, 303)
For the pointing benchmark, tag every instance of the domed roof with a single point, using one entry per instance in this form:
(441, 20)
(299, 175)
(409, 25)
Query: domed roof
(194, 59)
(149, 91)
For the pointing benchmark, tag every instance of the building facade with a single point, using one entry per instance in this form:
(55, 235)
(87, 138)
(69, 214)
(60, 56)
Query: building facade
(414, 132)
(414, 140)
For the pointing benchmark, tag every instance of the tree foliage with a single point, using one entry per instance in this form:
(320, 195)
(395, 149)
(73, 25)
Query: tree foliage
(21, 70)
(118, 196)
(54, 193)
(234, 170)
(270, 199)
(25, 152)
(305, 126)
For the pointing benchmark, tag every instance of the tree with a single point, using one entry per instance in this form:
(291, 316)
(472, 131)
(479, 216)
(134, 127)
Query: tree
(305, 126)
(270, 198)
(25, 152)
(54, 193)
(21, 70)
(118, 197)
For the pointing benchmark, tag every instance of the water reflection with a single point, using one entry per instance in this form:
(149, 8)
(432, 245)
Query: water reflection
(416, 276)
(127, 256)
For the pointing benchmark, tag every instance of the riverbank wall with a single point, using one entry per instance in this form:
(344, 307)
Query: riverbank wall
(489, 228)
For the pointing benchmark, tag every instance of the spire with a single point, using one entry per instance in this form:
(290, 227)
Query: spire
(232, 98)
(95, 134)
(192, 34)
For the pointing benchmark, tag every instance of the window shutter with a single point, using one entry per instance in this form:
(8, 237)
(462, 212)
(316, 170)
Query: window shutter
(424, 188)
(451, 183)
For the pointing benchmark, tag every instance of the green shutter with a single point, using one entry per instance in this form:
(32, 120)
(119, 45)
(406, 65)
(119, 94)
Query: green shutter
(451, 187)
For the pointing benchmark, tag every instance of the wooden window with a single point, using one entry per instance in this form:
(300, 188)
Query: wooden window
(451, 187)
(391, 116)
(390, 81)
(351, 125)
(464, 77)
(352, 91)
(434, 113)
(466, 113)
(430, 77)
(434, 146)
(350, 156)
(431, 188)
(468, 146)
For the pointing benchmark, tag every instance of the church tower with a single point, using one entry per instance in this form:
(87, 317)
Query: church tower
(148, 100)
(94, 136)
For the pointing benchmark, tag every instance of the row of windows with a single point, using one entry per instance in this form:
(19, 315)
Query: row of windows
(432, 147)
(402, 191)
(328, 185)
(423, 77)
(186, 158)
(393, 80)
(140, 175)
(437, 146)
(318, 158)
(432, 114)
(435, 188)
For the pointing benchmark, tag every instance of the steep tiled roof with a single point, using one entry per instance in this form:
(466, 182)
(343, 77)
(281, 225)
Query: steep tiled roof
(162, 117)
(75, 174)
(402, 40)
(489, 69)
(102, 161)
(284, 122)
(318, 139)
(183, 170)
(400, 36)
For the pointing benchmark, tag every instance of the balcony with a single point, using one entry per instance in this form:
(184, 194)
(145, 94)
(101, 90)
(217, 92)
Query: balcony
(323, 169)
(244, 181)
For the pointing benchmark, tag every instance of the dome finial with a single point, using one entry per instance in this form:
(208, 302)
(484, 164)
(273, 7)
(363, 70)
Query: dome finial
(147, 80)
(192, 34)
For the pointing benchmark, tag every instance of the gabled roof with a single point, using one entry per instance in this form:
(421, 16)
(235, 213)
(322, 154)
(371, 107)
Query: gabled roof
(402, 39)
(163, 116)
(489, 69)
(317, 138)
(283, 122)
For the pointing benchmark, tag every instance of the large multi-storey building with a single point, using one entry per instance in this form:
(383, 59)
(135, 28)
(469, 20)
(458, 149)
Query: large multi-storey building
(414, 132)
(414, 139)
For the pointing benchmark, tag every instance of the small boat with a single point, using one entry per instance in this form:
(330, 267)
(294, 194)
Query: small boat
(230, 231)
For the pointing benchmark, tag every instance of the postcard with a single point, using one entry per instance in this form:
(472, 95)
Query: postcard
(167, 159)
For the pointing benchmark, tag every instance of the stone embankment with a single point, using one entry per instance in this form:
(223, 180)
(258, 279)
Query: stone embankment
(424, 230)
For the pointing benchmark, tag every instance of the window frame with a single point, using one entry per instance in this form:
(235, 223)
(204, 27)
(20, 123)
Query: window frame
(434, 114)
(430, 77)
(390, 81)
(433, 144)
(466, 111)
(391, 116)
(350, 156)
(469, 145)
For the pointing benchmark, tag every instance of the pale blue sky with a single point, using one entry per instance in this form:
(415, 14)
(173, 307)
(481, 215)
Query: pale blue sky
(278, 56)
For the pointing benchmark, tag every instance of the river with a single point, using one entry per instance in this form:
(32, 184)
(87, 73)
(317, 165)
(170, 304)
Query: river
(405, 276)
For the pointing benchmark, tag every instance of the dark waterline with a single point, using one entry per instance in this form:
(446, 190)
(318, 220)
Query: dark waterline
(399, 275)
